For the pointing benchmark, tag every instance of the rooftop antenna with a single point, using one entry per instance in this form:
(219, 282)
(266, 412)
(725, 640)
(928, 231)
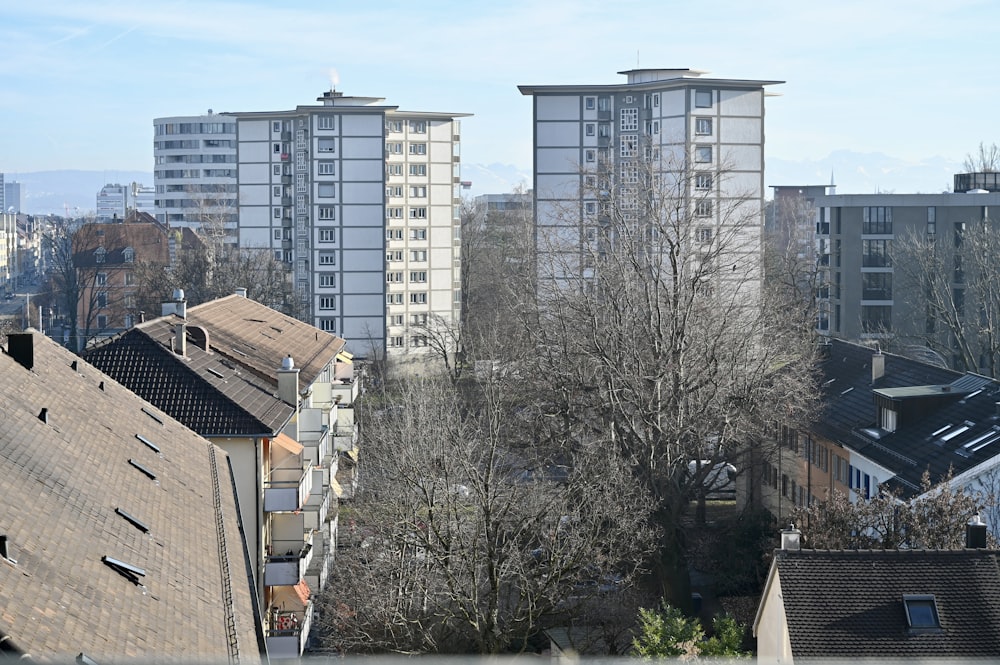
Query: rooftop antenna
(637, 59)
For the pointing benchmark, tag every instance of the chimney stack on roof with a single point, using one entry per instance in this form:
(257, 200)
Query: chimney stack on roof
(21, 347)
(791, 539)
(975, 533)
(288, 382)
(878, 365)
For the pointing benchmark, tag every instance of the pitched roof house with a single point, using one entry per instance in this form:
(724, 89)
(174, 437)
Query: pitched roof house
(119, 530)
(277, 394)
(881, 605)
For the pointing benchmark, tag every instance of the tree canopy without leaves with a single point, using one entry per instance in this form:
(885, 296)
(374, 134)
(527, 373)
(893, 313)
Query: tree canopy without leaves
(464, 540)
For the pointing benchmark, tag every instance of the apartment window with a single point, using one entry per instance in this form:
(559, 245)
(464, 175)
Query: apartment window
(129, 279)
(102, 321)
(875, 254)
(328, 279)
(101, 279)
(876, 286)
(921, 613)
(327, 191)
(276, 170)
(396, 341)
(276, 148)
(629, 145)
(590, 129)
(277, 234)
(327, 212)
(590, 207)
(394, 169)
(604, 130)
(327, 145)
(394, 213)
(100, 254)
(276, 191)
(931, 220)
(876, 318)
(418, 234)
(703, 181)
(327, 259)
(589, 156)
(276, 126)
(418, 169)
(418, 126)
(703, 126)
(328, 168)
(394, 192)
(418, 148)
(629, 120)
(418, 340)
(394, 126)
(394, 299)
(703, 154)
(703, 99)
(394, 148)
(704, 234)
(418, 276)
(590, 103)
(418, 319)
(394, 234)
(394, 277)
(395, 255)
(102, 300)
(656, 99)
(418, 213)
(396, 320)
(603, 103)
(276, 213)
(328, 325)
(418, 298)
(326, 121)
(328, 302)
(418, 192)
(328, 235)
(128, 254)
(876, 220)
(418, 255)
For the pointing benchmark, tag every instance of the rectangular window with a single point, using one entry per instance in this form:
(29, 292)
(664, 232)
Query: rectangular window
(327, 145)
(703, 126)
(101, 279)
(703, 99)
(102, 321)
(590, 103)
(604, 130)
(418, 234)
(277, 234)
(418, 340)
(876, 286)
(326, 121)
(876, 318)
(396, 341)
(418, 213)
(394, 148)
(327, 168)
(276, 191)
(276, 148)
(327, 212)
(629, 145)
(877, 220)
(394, 192)
(328, 279)
(394, 277)
(875, 254)
(418, 126)
(394, 213)
(396, 320)
(395, 255)
(419, 298)
(327, 259)
(276, 126)
(590, 129)
(703, 154)
(931, 220)
(276, 213)
(276, 170)
(328, 325)
(418, 319)
(394, 234)
(418, 276)
(704, 234)
(418, 192)
(327, 191)
(629, 121)
(328, 235)
(603, 103)
(418, 255)
(703, 181)
(589, 156)
(394, 126)
(129, 279)
(102, 300)
(394, 299)
(418, 169)
(418, 148)
(394, 169)
(328, 302)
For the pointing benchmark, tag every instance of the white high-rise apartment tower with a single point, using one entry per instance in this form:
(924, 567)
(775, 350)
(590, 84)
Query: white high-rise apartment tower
(195, 171)
(705, 132)
(360, 202)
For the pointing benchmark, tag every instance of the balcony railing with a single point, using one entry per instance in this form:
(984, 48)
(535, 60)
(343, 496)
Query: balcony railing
(287, 489)
(288, 632)
(289, 568)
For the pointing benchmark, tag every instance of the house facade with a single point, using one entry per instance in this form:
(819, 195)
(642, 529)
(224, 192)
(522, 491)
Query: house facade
(277, 395)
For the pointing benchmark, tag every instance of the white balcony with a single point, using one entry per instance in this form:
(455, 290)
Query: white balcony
(287, 489)
(288, 632)
(288, 568)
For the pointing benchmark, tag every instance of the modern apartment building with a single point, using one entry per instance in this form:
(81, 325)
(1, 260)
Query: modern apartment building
(699, 138)
(360, 201)
(195, 171)
(10, 195)
(866, 292)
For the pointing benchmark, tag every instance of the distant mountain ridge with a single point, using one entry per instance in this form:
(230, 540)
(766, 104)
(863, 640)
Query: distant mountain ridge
(51, 192)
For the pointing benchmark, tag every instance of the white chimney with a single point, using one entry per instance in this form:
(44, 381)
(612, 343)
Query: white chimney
(878, 365)
(288, 382)
(241, 292)
(791, 539)
(180, 339)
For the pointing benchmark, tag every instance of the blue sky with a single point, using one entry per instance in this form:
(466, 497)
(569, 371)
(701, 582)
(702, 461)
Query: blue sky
(81, 81)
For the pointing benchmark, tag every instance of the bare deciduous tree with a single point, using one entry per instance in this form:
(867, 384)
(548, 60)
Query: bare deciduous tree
(986, 160)
(463, 542)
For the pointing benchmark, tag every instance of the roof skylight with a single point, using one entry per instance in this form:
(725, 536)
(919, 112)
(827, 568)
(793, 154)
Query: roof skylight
(921, 612)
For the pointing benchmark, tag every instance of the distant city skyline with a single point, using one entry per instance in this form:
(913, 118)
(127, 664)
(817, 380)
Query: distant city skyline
(83, 80)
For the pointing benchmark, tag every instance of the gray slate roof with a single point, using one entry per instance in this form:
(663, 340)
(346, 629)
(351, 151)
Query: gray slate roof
(61, 483)
(848, 604)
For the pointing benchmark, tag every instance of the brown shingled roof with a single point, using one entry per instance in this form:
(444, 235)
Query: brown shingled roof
(63, 476)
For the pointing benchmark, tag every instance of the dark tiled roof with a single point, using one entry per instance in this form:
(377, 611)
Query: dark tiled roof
(848, 604)
(950, 398)
(148, 240)
(205, 391)
(61, 482)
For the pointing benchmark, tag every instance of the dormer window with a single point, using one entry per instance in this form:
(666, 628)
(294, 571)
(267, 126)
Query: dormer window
(99, 255)
(129, 254)
(887, 419)
(921, 613)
